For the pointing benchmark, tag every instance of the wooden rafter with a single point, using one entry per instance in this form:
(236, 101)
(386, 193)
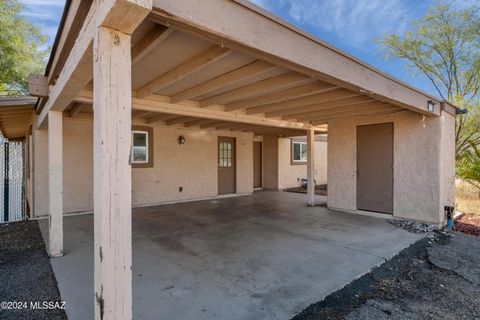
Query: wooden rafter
(246, 72)
(198, 122)
(160, 117)
(75, 109)
(320, 106)
(316, 98)
(280, 82)
(347, 111)
(284, 95)
(151, 40)
(370, 113)
(192, 65)
(178, 120)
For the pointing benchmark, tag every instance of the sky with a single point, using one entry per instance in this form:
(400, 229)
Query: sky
(353, 26)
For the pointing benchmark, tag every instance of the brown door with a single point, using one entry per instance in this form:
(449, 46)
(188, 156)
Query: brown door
(226, 165)
(375, 167)
(257, 164)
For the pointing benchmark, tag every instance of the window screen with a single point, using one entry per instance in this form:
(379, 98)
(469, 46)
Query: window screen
(225, 154)
(139, 146)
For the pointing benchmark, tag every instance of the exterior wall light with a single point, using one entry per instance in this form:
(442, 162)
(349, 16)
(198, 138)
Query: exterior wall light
(430, 106)
(181, 140)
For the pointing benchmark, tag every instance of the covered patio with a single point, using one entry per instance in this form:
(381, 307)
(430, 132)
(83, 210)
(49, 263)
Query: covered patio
(264, 256)
(206, 82)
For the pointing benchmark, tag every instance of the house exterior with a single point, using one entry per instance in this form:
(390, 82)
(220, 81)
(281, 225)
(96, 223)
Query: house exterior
(155, 101)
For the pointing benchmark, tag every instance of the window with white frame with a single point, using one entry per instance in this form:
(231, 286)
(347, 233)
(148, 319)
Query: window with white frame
(140, 152)
(299, 151)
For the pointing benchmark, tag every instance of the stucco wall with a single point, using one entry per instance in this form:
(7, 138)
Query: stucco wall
(192, 166)
(417, 163)
(447, 163)
(290, 175)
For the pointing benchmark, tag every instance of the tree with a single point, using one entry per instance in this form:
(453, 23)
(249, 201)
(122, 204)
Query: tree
(468, 168)
(445, 47)
(21, 50)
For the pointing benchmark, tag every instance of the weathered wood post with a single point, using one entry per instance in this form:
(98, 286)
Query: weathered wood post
(55, 183)
(311, 167)
(112, 104)
(112, 174)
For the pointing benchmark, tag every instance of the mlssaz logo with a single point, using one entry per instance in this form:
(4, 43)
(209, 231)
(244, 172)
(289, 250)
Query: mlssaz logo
(47, 305)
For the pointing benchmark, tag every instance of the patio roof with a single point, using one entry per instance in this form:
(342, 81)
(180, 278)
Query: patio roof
(15, 116)
(227, 66)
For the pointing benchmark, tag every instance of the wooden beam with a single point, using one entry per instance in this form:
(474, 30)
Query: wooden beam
(143, 115)
(280, 82)
(371, 113)
(211, 124)
(77, 72)
(310, 168)
(320, 106)
(152, 105)
(75, 109)
(151, 40)
(198, 122)
(336, 110)
(160, 117)
(183, 70)
(241, 74)
(349, 112)
(38, 85)
(55, 184)
(304, 101)
(177, 120)
(112, 175)
(285, 95)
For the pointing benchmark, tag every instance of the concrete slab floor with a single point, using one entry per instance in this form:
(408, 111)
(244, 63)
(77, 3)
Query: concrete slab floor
(264, 256)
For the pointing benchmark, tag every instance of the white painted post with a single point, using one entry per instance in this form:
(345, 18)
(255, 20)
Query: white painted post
(55, 184)
(112, 104)
(311, 168)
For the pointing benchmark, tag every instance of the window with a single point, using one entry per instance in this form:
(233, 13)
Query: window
(142, 147)
(225, 154)
(139, 146)
(299, 151)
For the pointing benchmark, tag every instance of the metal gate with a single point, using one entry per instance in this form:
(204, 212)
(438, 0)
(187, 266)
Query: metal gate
(12, 181)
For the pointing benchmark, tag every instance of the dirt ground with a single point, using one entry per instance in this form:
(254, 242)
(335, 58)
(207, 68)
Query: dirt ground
(435, 278)
(320, 190)
(468, 202)
(28, 289)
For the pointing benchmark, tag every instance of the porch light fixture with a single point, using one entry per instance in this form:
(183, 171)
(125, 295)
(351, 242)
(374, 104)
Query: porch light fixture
(181, 140)
(430, 105)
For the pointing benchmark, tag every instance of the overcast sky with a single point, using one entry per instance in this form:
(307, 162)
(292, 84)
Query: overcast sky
(350, 25)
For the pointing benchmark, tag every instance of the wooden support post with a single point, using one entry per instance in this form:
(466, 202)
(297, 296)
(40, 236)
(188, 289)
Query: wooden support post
(55, 184)
(311, 168)
(112, 103)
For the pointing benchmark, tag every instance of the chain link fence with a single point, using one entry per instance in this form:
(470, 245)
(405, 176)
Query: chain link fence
(12, 181)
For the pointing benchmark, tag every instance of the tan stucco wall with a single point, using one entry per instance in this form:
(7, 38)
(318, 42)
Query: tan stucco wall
(419, 163)
(290, 175)
(192, 166)
(278, 171)
(447, 163)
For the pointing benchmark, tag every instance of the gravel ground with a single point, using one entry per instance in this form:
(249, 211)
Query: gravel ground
(26, 275)
(435, 278)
